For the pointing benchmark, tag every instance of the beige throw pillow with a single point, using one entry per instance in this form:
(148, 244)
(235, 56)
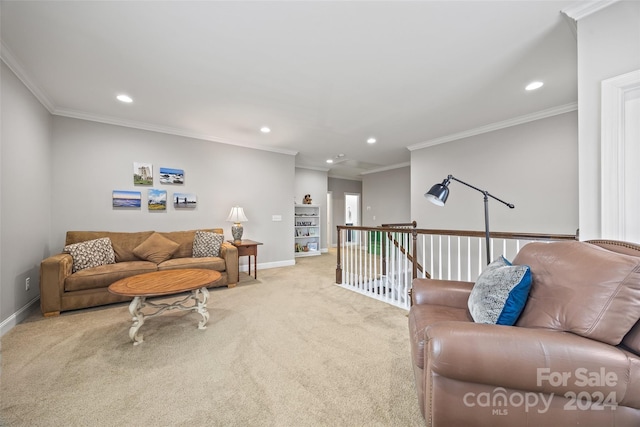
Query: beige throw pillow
(156, 248)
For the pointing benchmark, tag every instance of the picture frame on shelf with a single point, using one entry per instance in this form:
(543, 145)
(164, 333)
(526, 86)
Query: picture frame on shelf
(313, 246)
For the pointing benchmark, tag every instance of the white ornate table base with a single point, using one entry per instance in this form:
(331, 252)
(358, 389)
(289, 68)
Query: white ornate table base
(199, 296)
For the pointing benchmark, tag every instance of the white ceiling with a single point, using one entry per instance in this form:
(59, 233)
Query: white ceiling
(323, 75)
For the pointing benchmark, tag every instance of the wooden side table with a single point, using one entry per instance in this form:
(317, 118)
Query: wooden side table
(248, 248)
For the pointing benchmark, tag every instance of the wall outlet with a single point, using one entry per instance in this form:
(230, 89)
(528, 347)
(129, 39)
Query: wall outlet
(27, 283)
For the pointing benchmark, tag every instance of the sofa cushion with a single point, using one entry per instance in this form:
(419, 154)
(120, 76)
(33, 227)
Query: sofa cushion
(581, 288)
(104, 275)
(156, 248)
(207, 244)
(91, 253)
(123, 242)
(500, 293)
(212, 263)
(185, 241)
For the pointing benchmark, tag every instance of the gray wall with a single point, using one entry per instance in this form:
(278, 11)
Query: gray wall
(90, 160)
(58, 174)
(25, 214)
(338, 187)
(386, 197)
(533, 165)
(608, 46)
(313, 182)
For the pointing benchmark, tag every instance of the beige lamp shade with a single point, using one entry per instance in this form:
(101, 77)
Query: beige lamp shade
(237, 215)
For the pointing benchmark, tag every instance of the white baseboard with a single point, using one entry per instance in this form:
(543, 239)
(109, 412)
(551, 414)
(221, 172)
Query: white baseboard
(17, 317)
(265, 265)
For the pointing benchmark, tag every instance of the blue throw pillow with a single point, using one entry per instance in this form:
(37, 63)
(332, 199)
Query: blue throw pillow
(500, 293)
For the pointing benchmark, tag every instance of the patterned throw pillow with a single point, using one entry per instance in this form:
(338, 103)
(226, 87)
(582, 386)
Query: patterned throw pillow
(207, 244)
(91, 253)
(500, 293)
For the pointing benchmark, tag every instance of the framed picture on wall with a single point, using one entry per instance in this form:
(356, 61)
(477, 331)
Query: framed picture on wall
(142, 173)
(171, 176)
(157, 200)
(184, 201)
(126, 199)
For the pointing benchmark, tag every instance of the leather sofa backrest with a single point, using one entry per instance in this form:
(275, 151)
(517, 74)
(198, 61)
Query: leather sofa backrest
(631, 341)
(581, 288)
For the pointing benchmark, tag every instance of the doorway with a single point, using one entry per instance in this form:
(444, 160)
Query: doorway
(351, 212)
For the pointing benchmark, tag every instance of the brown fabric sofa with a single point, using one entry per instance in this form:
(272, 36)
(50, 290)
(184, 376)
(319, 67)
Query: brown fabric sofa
(572, 358)
(61, 289)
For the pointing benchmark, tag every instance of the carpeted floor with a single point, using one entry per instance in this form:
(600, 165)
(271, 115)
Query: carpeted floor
(288, 349)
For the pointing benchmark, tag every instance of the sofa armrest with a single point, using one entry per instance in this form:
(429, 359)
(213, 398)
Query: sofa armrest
(53, 272)
(229, 253)
(536, 360)
(450, 293)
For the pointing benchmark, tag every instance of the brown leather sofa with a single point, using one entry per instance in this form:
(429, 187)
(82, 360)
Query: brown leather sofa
(62, 289)
(572, 358)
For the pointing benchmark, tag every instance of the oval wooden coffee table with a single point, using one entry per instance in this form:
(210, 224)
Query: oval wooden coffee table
(162, 283)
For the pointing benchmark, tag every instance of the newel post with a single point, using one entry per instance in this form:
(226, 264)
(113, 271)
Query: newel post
(338, 265)
(414, 250)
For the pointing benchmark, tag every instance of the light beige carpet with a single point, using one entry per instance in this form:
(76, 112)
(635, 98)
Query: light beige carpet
(288, 349)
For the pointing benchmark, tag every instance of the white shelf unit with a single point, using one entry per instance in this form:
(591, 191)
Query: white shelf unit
(307, 230)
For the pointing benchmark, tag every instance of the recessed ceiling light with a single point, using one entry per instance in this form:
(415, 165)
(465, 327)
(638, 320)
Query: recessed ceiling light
(371, 141)
(124, 98)
(265, 129)
(329, 160)
(534, 86)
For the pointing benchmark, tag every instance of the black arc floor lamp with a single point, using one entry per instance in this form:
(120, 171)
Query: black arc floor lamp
(438, 196)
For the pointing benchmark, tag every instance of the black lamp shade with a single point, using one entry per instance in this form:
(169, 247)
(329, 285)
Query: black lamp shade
(438, 194)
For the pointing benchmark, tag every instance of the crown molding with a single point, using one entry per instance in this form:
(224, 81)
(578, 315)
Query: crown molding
(348, 178)
(163, 129)
(14, 65)
(387, 168)
(497, 126)
(313, 168)
(582, 9)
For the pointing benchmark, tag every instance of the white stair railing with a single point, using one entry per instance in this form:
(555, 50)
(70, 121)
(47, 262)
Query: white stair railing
(381, 262)
(377, 262)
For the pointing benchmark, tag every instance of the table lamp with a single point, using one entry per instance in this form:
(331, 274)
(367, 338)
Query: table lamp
(236, 216)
